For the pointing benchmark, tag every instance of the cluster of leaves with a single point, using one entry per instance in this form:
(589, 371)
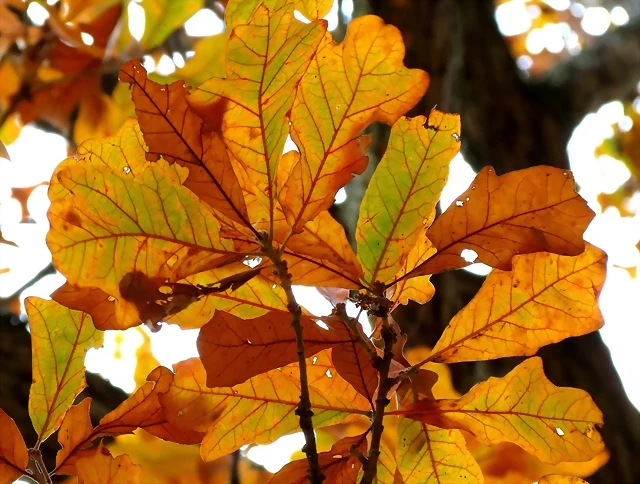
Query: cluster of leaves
(193, 215)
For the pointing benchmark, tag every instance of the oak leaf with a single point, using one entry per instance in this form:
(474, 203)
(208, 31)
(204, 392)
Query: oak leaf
(60, 338)
(347, 87)
(259, 410)
(404, 190)
(266, 59)
(555, 424)
(234, 350)
(100, 468)
(532, 210)
(544, 299)
(340, 465)
(14, 456)
(352, 362)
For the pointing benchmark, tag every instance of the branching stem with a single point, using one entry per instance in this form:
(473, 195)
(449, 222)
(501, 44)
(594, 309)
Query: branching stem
(36, 466)
(388, 337)
(303, 411)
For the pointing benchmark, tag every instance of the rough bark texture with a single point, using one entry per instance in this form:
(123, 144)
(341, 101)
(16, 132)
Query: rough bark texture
(512, 123)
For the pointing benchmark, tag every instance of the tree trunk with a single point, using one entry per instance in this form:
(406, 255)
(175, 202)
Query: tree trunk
(511, 123)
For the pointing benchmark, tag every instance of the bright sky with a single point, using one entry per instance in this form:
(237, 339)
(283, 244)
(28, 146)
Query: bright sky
(35, 154)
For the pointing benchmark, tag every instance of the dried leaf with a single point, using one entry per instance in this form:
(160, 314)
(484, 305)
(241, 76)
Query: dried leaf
(339, 465)
(100, 235)
(555, 424)
(175, 132)
(544, 299)
(259, 410)
(97, 303)
(60, 338)
(352, 362)
(265, 61)
(76, 433)
(525, 211)
(404, 191)
(104, 469)
(234, 350)
(14, 456)
(346, 88)
(3, 149)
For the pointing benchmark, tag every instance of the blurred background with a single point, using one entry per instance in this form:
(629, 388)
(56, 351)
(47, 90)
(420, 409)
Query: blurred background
(537, 82)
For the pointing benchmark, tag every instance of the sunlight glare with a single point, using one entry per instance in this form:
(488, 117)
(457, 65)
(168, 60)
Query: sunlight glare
(513, 17)
(204, 23)
(136, 20)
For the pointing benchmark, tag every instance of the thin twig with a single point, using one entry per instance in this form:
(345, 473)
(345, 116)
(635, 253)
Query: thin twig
(37, 468)
(385, 384)
(303, 411)
(352, 324)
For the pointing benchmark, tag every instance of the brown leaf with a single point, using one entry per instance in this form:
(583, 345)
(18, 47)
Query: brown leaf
(339, 466)
(525, 211)
(75, 434)
(101, 468)
(353, 363)
(100, 306)
(234, 350)
(14, 456)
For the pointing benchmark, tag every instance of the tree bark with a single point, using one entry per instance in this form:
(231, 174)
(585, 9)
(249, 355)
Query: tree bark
(512, 123)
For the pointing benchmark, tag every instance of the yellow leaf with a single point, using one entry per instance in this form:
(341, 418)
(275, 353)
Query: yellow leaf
(60, 339)
(261, 409)
(104, 469)
(105, 237)
(544, 299)
(314, 9)
(525, 211)
(14, 456)
(346, 88)
(207, 60)
(555, 424)
(404, 190)
(265, 61)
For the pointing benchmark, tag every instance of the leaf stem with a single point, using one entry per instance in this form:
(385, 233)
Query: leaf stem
(352, 324)
(303, 411)
(38, 471)
(383, 365)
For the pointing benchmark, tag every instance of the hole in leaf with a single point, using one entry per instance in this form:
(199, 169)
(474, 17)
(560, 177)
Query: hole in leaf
(456, 136)
(322, 324)
(252, 262)
(559, 431)
(127, 170)
(315, 360)
(459, 203)
(469, 255)
(328, 373)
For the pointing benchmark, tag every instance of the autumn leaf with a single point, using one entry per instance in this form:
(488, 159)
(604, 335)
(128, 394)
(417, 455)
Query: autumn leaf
(14, 456)
(175, 132)
(234, 350)
(555, 424)
(60, 339)
(525, 211)
(76, 433)
(97, 303)
(100, 237)
(259, 410)
(162, 17)
(558, 479)
(347, 87)
(544, 299)
(404, 190)
(353, 363)
(265, 61)
(100, 468)
(419, 289)
(427, 454)
(339, 465)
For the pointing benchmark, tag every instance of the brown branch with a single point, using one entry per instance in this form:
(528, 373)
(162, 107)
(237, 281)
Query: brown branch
(608, 69)
(303, 411)
(37, 469)
(384, 385)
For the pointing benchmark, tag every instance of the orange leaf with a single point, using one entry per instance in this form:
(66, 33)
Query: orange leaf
(234, 350)
(261, 409)
(104, 469)
(97, 303)
(346, 88)
(76, 433)
(339, 465)
(555, 424)
(544, 299)
(525, 211)
(175, 132)
(14, 456)
(60, 339)
(558, 479)
(352, 362)
(265, 61)
(404, 190)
